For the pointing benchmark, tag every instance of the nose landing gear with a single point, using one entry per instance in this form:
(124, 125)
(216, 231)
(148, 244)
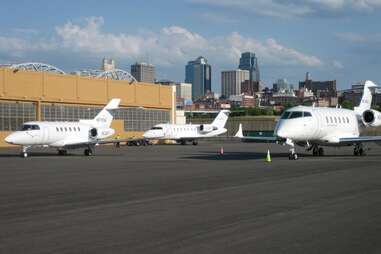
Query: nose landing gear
(24, 152)
(292, 155)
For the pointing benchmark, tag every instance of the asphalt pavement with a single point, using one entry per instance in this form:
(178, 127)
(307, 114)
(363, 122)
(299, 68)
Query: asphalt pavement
(190, 199)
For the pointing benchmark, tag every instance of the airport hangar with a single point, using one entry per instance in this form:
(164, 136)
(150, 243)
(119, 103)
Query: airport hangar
(41, 92)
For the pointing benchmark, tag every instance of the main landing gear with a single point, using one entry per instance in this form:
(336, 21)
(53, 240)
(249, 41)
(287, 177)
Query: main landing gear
(359, 150)
(62, 152)
(317, 151)
(194, 142)
(88, 151)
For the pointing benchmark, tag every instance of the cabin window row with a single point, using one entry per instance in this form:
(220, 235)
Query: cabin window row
(184, 129)
(66, 129)
(336, 120)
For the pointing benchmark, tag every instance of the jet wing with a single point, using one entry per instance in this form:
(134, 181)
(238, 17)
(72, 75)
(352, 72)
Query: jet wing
(360, 139)
(99, 142)
(240, 135)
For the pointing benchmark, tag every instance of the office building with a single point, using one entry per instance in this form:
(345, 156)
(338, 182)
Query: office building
(319, 88)
(184, 91)
(282, 84)
(231, 82)
(249, 62)
(143, 72)
(198, 73)
(249, 87)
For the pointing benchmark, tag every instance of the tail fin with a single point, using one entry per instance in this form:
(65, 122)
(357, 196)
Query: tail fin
(104, 118)
(221, 119)
(366, 100)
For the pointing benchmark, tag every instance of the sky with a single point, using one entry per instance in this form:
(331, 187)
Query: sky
(331, 39)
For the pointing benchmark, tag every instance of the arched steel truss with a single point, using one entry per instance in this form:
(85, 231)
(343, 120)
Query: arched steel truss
(37, 67)
(116, 74)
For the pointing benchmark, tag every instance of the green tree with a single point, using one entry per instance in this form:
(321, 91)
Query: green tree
(347, 104)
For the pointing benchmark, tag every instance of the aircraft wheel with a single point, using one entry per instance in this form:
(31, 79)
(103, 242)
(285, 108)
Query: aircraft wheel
(183, 142)
(320, 151)
(315, 152)
(362, 152)
(24, 154)
(194, 142)
(88, 152)
(62, 152)
(356, 152)
(293, 156)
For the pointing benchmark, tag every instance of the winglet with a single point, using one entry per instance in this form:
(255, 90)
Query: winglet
(239, 133)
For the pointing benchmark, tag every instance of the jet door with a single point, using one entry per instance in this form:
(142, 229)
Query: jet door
(309, 125)
(45, 134)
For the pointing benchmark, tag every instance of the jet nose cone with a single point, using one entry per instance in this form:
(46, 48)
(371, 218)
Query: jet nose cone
(147, 134)
(279, 132)
(9, 139)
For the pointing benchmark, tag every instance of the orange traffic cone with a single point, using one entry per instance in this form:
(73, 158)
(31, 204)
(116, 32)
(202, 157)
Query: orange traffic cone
(222, 150)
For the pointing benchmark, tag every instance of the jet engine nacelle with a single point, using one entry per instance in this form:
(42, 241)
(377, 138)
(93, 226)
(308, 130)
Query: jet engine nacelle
(93, 133)
(371, 118)
(106, 132)
(205, 128)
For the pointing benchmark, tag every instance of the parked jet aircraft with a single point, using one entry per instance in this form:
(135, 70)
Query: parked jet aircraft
(189, 132)
(313, 127)
(66, 135)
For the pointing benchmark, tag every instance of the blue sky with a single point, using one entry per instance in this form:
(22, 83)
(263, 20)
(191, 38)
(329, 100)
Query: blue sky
(332, 39)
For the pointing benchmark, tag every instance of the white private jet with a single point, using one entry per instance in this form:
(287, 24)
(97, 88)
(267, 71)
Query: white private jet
(66, 135)
(313, 127)
(189, 132)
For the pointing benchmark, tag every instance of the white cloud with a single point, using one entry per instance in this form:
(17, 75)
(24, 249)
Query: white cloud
(17, 47)
(292, 8)
(175, 45)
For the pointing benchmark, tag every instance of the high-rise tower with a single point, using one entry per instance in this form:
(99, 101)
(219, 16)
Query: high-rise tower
(198, 73)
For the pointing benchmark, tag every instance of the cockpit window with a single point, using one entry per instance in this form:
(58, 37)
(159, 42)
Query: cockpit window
(305, 114)
(285, 115)
(296, 114)
(29, 127)
(156, 128)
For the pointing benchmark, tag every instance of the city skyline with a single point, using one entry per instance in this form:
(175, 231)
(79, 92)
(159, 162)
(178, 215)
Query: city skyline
(333, 40)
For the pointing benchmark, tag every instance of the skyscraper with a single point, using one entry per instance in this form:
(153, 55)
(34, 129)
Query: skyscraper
(198, 73)
(249, 61)
(231, 82)
(143, 72)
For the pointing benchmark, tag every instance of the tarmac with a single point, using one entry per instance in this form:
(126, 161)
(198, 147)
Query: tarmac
(190, 199)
